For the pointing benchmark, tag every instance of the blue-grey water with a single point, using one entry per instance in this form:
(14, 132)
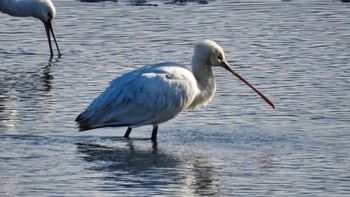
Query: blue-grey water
(296, 52)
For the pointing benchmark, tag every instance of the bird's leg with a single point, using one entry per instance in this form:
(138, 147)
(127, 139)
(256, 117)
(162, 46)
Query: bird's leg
(127, 133)
(154, 133)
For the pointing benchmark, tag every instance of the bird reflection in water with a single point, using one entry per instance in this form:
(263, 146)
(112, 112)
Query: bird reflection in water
(26, 96)
(126, 157)
(131, 166)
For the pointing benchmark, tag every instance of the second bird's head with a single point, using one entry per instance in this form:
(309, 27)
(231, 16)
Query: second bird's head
(46, 11)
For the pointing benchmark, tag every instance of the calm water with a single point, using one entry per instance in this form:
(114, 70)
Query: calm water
(296, 52)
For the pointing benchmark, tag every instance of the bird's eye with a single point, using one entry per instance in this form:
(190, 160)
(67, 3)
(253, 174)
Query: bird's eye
(220, 57)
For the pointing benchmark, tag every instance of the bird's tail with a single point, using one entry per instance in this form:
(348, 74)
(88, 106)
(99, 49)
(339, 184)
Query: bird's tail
(83, 127)
(83, 122)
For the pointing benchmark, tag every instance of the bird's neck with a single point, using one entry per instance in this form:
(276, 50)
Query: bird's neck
(205, 83)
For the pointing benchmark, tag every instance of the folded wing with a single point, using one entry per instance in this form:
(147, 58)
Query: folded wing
(150, 95)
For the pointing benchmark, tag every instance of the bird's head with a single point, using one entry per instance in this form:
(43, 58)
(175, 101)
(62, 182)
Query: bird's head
(209, 53)
(46, 12)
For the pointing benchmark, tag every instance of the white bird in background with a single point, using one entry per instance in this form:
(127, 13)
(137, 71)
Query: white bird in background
(157, 93)
(41, 9)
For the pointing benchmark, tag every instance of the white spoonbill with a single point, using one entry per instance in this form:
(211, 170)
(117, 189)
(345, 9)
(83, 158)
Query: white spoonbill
(44, 10)
(157, 93)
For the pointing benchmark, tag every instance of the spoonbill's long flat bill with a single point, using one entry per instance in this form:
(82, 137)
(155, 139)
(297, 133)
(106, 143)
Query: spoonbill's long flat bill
(44, 10)
(157, 93)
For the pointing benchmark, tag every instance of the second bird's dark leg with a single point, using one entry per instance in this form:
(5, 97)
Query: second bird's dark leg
(154, 132)
(127, 133)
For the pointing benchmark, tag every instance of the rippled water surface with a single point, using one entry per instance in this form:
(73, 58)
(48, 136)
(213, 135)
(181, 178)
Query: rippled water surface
(296, 52)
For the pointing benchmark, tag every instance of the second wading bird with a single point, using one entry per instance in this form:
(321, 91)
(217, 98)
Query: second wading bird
(44, 10)
(157, 93)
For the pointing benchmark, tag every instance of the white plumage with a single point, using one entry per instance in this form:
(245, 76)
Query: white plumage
(44, 10)
(157, 93)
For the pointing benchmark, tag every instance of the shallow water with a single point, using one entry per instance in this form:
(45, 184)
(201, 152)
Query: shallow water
(295, 52)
